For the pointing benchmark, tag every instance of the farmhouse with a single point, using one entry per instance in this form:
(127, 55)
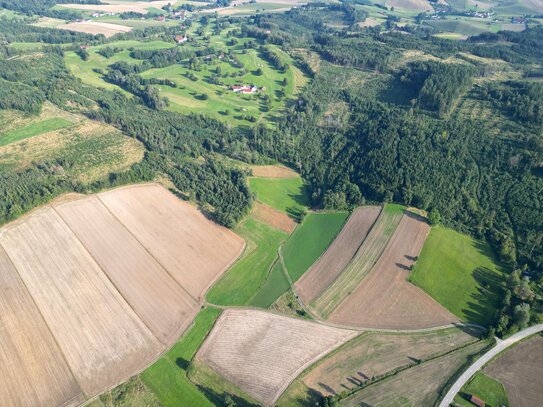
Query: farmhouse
(181, 39)
(477, 401)
(247, 89)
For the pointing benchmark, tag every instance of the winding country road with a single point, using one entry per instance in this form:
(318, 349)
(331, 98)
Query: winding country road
(500, 346)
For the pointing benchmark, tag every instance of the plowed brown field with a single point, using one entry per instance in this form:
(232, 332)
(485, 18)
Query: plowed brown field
(520, 370)
(273, 217)
(194, 250)
(385, 299)
(262, 353)
(272, 171)
(328, 267)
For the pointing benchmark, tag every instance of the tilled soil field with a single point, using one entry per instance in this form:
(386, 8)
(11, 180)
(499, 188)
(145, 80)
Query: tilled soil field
(273, 217)
(262, 353)
(272, 171)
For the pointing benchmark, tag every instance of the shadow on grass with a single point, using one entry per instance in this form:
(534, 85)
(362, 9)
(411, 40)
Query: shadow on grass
(219, 399)
(483, 307)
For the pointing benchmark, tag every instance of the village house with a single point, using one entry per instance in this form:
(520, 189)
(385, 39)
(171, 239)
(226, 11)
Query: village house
(181, 39)
(246, 89)
(161, 18)
(477, 401)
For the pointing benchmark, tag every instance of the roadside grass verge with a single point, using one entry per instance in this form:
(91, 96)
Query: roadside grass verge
(34, 129)
(247, 276)
(484, 387)
(461, 273)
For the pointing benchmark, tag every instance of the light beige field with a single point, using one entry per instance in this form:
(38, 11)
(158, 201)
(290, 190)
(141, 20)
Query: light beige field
(93, 325)
(385, 299)
(272, 171)
(262, 353)
(412, 5)
(338, 255)
(163, 305)
(96, 27)
(120, 6)
(194, 250)
(273, 217)
(33, 371)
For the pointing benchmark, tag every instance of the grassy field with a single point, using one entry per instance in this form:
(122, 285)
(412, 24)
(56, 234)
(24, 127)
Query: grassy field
(461, 273)
(34, 129)
(240, 284)
(285, 194)
(275, 286)
(484, 387)
(167, 378)
(133, 393)
(310, 240)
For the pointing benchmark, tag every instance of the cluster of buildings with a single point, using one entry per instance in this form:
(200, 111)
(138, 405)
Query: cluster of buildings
(175, 15)
(96, 15)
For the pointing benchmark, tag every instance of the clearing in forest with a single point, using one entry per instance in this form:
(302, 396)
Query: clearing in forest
(326, 269)
(261, 353)
(384, 298)
(272, 171)
(363, 261)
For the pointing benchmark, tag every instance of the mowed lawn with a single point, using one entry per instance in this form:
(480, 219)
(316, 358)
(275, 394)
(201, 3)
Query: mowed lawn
(240, 284)
(461, 273)
(288, 195)
(486, 388)
(167, 377)
(34, 129)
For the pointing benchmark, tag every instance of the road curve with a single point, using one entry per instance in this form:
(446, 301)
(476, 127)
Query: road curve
(500, 346)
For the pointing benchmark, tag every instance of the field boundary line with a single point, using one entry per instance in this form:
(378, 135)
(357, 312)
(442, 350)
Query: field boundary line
(44, 321)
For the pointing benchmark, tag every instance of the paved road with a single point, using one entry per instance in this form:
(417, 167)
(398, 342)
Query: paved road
(500, 346)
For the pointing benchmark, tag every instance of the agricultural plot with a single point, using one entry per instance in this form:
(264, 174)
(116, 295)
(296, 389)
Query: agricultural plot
(418, 386)
(362, 262)
(194, 250)
(385, 299)
(272, 171)
(326, 269)
(277, 219)
(461, 273)
(33, 129)
(287, 195)
(113, 6)
(485, 388)
(520, 370)
(95, 27)
(261, 353)
(373, 355)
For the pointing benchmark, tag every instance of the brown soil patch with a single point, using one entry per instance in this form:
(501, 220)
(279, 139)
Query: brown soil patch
(375, 354)
(329, 266)
(262, 353)
(193, 249)
(121, 6)
(93, 27)
(385, 299)
(43, 377)
(273, 171)
(520, 369)
(273, 217)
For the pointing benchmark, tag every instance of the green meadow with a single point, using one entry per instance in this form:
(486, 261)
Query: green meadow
(288, 195)
(33, 129)
(486, 388)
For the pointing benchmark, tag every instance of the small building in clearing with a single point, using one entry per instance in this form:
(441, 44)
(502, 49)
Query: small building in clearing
(180, 39)
(477, 401)
(247, 89)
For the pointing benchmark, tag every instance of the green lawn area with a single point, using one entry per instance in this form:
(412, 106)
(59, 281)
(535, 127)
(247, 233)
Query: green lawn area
(461, 273)
(34, 129)
(240, 284)
(310, 240)
(486, 388)
(276, 285)
(167, 378)
(288, 195)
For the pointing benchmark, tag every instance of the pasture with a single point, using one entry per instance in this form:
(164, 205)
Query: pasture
(461, 273)
(484, 387)
(287, 195)
(113, 6)
(96, 27)
(276, 285)
(34, 129)
(263, 368)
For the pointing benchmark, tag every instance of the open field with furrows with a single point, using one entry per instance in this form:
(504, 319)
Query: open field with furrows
(418, 386)
(385, 299)
(365, 258)
(520, 369)
(262, 353)
(96, 27)
(93, 325)
(163, 305)
(43, 378)
(372, 355)
(108, 304)
(194, 250)
(83, 149)
(461, 273)
(326, 269)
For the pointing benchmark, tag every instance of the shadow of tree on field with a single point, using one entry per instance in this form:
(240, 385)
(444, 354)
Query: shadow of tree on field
(219, 399)
(482, 309)
(327, 388)
(182, 363)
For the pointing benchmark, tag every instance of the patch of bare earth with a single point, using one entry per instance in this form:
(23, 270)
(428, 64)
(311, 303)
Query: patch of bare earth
(272, 171)
(330, 265)
(262, 353)
(520, 369)
(385, 299)
(94, 27)
(273, 217)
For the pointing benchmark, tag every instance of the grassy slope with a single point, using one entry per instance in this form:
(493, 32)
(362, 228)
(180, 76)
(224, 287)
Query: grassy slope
(167, 378)
(461, 273)
(247, 276)
(34, 129)
(285, 194)
(484, 387)
(276, 285)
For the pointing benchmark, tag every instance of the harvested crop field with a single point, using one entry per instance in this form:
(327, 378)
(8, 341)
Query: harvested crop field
(262, 353)
(94, 27)
(520, 369)
(272, 171)
(326, 269)
(120, 7)
(273, 217)
(84, 304)
(385, 299)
